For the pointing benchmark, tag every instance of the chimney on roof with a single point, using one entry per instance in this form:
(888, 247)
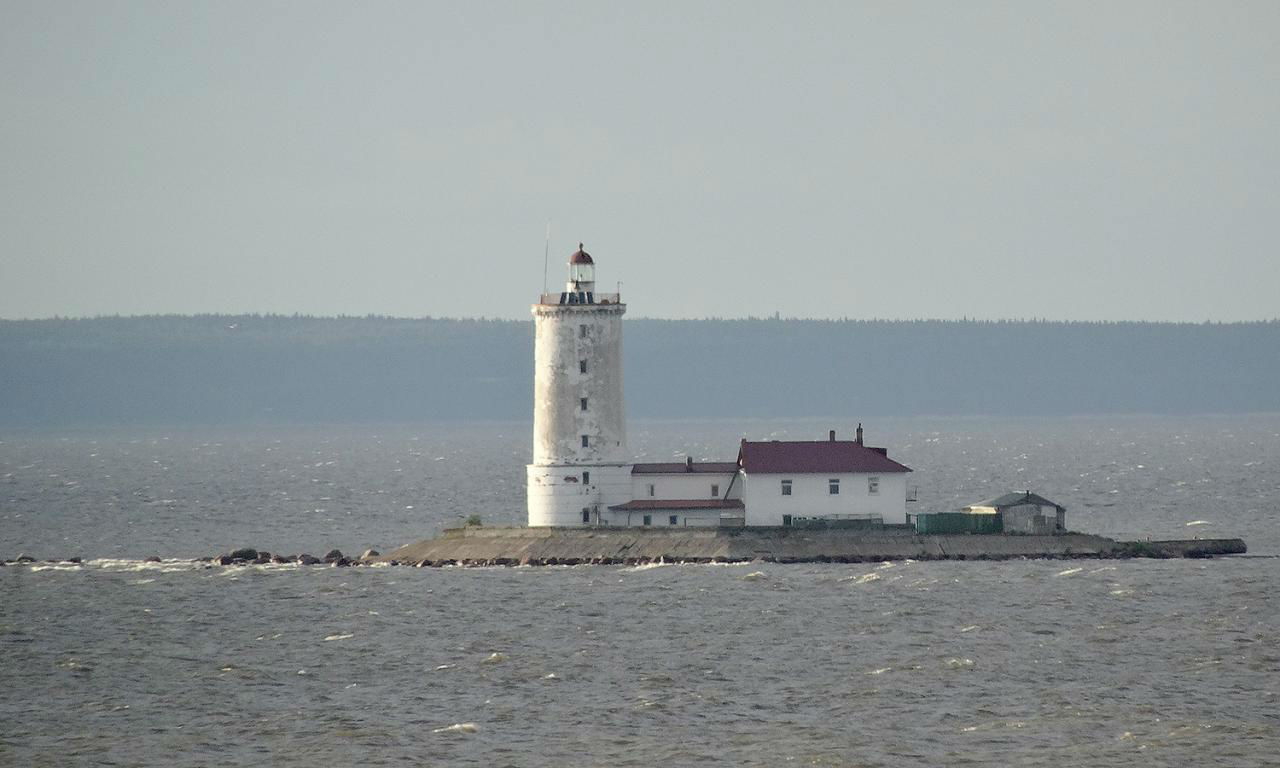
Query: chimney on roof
(831, 435)
(688, 463)
(858, 439)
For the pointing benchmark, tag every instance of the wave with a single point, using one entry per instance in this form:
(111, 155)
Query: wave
(457, 728)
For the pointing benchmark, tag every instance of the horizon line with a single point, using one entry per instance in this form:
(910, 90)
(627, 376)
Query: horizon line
(775, 317)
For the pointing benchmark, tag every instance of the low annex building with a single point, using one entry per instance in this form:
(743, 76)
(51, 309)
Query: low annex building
(580, 476)
(1024, 512)
(685, 493)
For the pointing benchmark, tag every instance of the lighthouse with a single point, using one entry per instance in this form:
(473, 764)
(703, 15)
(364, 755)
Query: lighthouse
(580, 463)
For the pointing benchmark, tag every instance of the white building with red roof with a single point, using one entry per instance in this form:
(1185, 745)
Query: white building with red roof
(790, 482)
(581, 474)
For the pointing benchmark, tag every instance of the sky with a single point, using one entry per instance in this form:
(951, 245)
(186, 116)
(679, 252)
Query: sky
(1065, 161)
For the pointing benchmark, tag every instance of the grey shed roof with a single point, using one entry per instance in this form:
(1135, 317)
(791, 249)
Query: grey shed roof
(1014, 499)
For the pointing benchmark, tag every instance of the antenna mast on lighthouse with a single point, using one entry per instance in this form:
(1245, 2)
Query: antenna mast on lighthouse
(546, 253)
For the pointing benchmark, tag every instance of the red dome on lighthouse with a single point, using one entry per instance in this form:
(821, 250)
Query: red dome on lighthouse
(580, 256)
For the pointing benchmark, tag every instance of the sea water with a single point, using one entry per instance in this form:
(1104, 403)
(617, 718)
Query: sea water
(122, 661)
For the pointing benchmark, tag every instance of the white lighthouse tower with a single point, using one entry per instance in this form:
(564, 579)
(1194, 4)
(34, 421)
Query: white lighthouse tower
(580, 462)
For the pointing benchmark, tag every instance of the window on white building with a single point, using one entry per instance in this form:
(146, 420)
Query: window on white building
(873, 486)
(833, 486)
(586, 442)
(582, 366)
(648, 519)
(652, 490)
(586, 478)
(674, 519)
(582, 331)
(583, 402)
(786, 487)
(715, 491)
(586, 514)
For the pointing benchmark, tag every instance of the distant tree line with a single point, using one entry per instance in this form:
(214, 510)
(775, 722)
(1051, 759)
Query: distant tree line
(273, 368)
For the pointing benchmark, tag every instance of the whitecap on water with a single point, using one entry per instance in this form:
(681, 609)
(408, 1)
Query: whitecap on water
(118, 564)
(755, 576)
(494, 658)
(171, 565)
(969, 628)
(338, 637)
(1198, 522)
(880, 671)
(74, 665)
(649, 566)
(457, 728)
(1069, 571)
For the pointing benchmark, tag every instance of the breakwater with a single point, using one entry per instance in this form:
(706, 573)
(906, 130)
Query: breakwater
(573, 546)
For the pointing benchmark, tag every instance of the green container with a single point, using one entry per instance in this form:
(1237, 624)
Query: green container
(958, 522)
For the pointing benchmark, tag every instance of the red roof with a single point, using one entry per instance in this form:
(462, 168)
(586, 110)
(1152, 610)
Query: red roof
(817, 456)
(678, 467)
(639, 504)
(580, 256)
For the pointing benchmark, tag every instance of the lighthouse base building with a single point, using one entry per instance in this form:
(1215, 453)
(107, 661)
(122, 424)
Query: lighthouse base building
(581, 474)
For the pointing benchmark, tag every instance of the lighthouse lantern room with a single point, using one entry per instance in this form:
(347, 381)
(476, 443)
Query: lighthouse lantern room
(582, 271)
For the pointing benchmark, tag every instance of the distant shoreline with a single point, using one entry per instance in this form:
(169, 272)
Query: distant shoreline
(215, 369)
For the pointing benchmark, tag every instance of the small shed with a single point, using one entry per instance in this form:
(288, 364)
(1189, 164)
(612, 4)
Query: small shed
(1024, 512)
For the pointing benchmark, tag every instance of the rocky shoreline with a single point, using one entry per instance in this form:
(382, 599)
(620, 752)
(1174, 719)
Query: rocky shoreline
(242, 556)
(507, 547)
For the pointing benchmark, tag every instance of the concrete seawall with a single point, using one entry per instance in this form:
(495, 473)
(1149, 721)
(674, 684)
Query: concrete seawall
(568, 546)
